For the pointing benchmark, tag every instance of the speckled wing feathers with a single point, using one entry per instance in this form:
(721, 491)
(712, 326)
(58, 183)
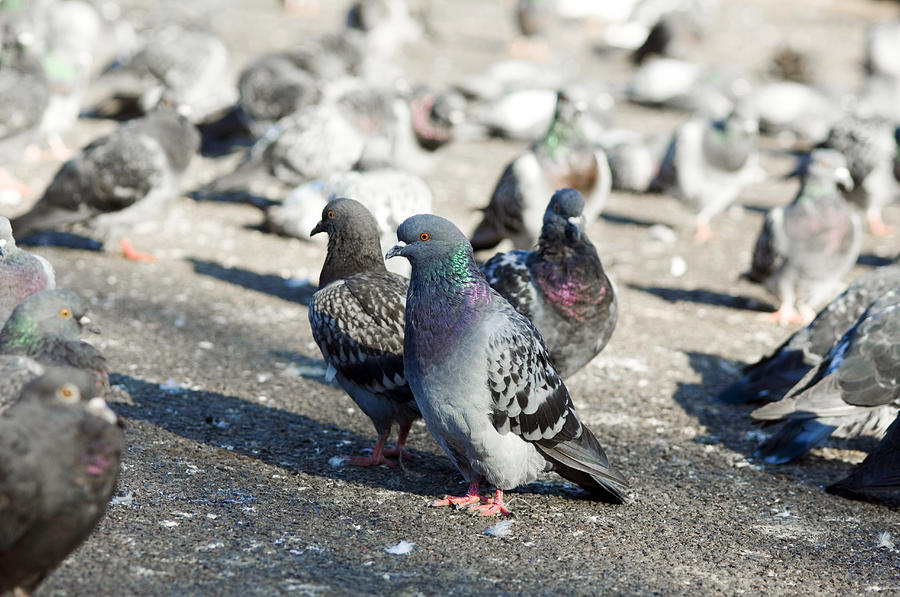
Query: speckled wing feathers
(509, 275)
(358, 325)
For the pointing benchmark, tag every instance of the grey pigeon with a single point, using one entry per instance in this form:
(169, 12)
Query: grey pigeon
(804, 249)
(709, 163)
(47, 326)
(563, 158)
(879, 474)
(186, 66)
(118, 180)
(771, 377)
(272, 87)
(21, 273)
(687, 86)
(870, 148)
(60, 448)
(560, 286)
(788, 107)
(483, 379)
(880, 93)
(855, 390)
(357, 320)
(634, 158)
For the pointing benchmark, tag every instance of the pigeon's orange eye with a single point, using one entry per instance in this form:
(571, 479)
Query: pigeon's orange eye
(424, 236)
(330, 214)
(69, 393)
(65, 313)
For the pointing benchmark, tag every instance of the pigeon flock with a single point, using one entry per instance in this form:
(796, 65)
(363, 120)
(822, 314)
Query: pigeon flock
(490, 320)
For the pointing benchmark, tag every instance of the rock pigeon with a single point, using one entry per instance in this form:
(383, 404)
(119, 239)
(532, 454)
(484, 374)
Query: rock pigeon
(274, 86)
(794, 109)
(563, 158)
(870, 149)
(560, 286)
(687, 86)
(855, 390)
(483, 380)
(709, 163)
(879, 474)
(634, 158)
(357, 320)
(804, 249)
(771, 377)
(186, 66)
(60, 447)
(21, 273)
(118, 180)
(389, 195)
(46, 327)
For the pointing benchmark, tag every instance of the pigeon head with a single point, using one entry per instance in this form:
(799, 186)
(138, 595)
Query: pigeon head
(353, 245)
(570, 103)
(67, 388)
(60, 313)
(428, 240)
(828, 166)
(564, 217)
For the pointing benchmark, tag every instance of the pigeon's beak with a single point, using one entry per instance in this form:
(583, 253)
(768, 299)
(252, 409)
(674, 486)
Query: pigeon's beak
(575, 226)
(85, 322)
(844, 179)
(396, 250)
(320, 227)
(99, 408)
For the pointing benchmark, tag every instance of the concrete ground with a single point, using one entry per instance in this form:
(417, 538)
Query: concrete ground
(227, 486)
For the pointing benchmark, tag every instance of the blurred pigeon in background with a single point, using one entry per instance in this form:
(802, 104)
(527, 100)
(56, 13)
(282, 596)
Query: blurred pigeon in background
(560, 286)
(805, 249)
(119, 180)
(357, 320)
(708, 164)
(563, 158)
(483, 379)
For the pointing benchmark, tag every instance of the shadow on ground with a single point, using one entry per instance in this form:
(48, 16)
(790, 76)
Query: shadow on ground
(267, 283)
(705, 297)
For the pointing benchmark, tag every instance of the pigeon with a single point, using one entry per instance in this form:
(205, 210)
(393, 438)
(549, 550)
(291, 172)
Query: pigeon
(388, 25)
(855, 390)
(870, 148)
(634, 158)
(674, 34)
(534, 20)
(274, 86)
(390, 195)
(46, 327)
(118, 180)
(879, 474)
(483, 380)
(357, 319)
(60, 447)
(794, 109)
(186, 66)
(771, 377)
(563, 158)
(560, 286)
(21, 273)
(708, 164)
(804, 249)
(687, 86)
(310, 144)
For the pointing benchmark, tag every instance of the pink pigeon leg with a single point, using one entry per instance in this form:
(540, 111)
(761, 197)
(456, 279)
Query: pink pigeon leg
(493, 506)
(377, 456)
(877, 225)
(133, 254)
(471, 497)
(399, 449)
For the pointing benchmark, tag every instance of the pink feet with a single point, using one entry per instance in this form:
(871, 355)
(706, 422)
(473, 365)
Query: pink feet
(787, 315)
(877, 225)
(371, 460)
(133, 254)
(475, 503)
(379, 453)
(704, 233)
